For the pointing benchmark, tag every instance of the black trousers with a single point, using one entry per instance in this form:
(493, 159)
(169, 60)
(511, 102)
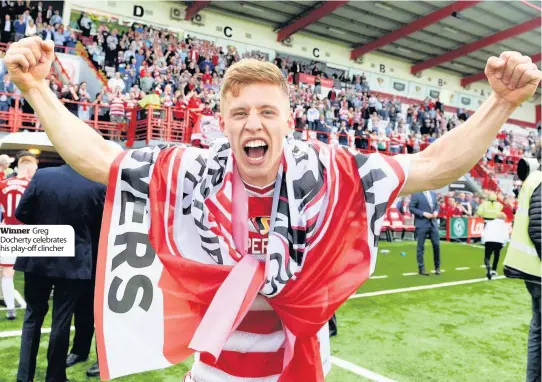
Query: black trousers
(492, 247)
(333, 326)
(84, 320)
(421, 234)
(37, 290)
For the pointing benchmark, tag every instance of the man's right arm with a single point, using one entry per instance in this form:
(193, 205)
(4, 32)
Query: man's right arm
(28, 62)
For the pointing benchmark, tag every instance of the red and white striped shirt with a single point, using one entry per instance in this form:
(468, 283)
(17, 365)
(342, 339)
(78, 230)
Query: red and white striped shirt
(117, 107)
(255, 351)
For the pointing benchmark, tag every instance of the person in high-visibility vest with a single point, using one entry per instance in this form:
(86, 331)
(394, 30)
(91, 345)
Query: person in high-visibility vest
(490, 208)
(523, 257)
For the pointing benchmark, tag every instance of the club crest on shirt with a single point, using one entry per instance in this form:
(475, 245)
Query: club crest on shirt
(261, 225)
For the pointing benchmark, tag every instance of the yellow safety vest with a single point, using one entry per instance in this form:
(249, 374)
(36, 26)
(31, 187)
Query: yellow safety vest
(489, 210)
(521, 254)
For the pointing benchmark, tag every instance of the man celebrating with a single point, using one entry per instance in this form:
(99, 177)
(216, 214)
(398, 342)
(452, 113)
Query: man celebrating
(174, 256)
(11, 191)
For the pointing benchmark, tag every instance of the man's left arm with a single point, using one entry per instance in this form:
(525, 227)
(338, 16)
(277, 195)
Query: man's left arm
(514, 79)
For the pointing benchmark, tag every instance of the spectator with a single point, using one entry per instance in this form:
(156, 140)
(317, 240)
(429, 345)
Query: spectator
(58, 35)
(20, 28)
(116, 82)
(117, 111)
(464, 204)
(49, 14)
(70, 97)
(147, 83)
(343, 134)
(6, 87)
(321, 126)
(312, 116)
(7, 29)
(5, 162)
(31, 29)
(56, 18)
(85, 24)
(84, 97)
(48, 33)
(37, 10)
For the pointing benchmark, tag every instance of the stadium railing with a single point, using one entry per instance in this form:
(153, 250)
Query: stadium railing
(172, 125)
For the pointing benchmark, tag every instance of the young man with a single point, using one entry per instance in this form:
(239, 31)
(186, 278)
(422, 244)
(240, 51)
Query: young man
(256, 316)
(11, 191)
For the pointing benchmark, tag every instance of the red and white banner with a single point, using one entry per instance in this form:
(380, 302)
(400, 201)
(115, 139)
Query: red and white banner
(309, 80)
(206, 130)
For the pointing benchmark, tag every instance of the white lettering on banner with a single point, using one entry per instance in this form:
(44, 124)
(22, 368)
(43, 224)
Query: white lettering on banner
(476, 227)
(37, 241)
(257, 245)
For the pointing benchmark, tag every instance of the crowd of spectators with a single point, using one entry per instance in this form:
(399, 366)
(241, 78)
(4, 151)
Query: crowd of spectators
(147, 65)
(466, 204)
(187, 73)
(29, 18)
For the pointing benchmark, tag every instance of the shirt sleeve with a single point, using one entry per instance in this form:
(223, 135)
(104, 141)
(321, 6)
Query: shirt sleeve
(382, 179)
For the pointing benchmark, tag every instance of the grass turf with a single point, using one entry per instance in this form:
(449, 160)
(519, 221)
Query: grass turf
(455, 333)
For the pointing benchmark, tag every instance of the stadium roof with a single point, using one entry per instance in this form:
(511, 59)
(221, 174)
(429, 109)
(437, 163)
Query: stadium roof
(456, 36)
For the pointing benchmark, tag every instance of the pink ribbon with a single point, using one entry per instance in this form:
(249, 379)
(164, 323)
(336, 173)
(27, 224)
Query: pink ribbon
(217, 323)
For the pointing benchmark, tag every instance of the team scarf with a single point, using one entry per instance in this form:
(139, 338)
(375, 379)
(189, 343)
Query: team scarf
(172, 275)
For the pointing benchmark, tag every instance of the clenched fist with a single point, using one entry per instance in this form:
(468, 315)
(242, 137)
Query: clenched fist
(513, 77)
(29, 61)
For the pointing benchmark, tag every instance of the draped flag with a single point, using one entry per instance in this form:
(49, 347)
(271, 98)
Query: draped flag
(173, 278)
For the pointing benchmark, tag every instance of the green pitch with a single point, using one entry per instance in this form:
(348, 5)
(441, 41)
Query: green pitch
(469, 332)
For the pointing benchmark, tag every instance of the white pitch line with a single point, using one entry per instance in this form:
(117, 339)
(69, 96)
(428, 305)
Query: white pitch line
(17, 333)
(410, 274)
(475, 245)
(422, 287)
(462, 268)
(378, 277)
(441, 271)
(359, 370)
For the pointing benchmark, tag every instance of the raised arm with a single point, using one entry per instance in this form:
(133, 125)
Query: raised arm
(514, 79)
(28, 62)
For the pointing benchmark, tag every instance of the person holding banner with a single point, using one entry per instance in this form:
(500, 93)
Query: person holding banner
(194, 285)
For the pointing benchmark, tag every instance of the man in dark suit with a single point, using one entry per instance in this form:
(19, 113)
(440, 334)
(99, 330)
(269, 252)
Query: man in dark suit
(6, 29)
(57, 196)
(6, 86)
(424, 206)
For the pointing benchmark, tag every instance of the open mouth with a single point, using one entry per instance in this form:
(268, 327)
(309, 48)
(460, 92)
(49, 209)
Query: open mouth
(255, 150)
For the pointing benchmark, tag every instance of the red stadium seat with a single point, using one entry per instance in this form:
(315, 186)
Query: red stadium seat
(396, 221)
(408, 224)
(386, 229)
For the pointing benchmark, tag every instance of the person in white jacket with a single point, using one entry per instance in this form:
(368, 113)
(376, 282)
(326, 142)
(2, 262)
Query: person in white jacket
(495, 235)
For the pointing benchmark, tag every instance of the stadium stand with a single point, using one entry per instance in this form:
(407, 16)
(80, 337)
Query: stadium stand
(157, 87)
